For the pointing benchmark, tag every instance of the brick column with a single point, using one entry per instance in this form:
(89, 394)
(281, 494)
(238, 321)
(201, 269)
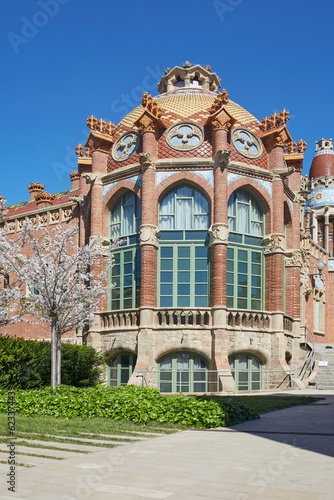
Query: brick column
(148, 231)
(99, 167)
(275, 242)
(219, 228)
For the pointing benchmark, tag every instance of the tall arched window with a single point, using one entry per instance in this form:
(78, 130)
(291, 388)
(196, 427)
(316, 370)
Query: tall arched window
(183, 372)
(125, 220)
(184, 219)
(245, 280)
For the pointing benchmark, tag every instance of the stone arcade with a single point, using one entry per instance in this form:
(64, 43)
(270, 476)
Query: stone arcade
(221, 233)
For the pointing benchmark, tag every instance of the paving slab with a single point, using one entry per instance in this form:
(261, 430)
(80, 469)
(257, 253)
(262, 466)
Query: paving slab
(43, 451)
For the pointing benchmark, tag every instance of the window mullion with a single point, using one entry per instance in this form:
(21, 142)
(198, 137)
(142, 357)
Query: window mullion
(175, 274)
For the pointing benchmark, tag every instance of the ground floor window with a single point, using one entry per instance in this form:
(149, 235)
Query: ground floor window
(183, 372)
(247, 371)
(120, 368)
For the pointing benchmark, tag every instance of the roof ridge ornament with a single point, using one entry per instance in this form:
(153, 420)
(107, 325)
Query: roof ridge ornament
(100, 125)
(219, 102)
(292, 147)
(151, 106)
(275, 120)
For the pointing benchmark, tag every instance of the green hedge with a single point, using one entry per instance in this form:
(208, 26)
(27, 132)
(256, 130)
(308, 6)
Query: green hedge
(26, 364)
(138, 404)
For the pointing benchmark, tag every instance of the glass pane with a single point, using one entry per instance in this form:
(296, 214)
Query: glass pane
(256, 257)
(166, 363)
(242, 303)
(166, 264)
(166, 289)
(166, 301)
(242, 291)
(256, 305)
(183, 277)
(201, 289)
(167, 204)
(230, 266)
(183, 214)
(201, 252)
(196, 235)
(242, 267)
(182, 360)
(242, 195)
(255, 364)
(231, 205)
(199, 363)
(201, 205)
(256, 269)
(128, 280)
(184, 192)
(183, 265)
(166, 252)
(201, 264)
(229, 278)
(171, 235)
(235, 238)
(201, 301)
(201, 222)
(201, 276)
(231, 223)
(242, 255)
(166, 222)
(128, 219)
(229, 291)
(229, 301)
(242, 279)
(256, 281)
(183, 301)
(166, 387)
(166, 277)
(243, 362)
(183, 252)
(183, 289)
(256, 293)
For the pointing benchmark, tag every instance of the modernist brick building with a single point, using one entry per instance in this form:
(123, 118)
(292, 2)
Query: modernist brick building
(213, 287)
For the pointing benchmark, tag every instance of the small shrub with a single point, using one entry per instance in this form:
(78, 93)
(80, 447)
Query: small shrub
(26, 364)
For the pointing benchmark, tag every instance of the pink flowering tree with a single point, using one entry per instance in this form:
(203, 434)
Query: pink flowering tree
(64, 291)
(10, 289)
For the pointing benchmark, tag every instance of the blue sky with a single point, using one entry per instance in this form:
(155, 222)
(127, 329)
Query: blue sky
(63, 60)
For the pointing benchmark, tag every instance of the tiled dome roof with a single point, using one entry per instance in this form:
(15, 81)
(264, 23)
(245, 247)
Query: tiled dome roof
(191, 104)
(322, 164)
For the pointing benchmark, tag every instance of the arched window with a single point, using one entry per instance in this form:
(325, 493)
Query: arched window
(125, 220)
(184, 219)
(245, 280)
(247, 371)
(183, 372)
(120, 368)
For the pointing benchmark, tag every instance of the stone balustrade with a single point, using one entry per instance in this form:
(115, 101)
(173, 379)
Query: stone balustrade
(189, 318)
(258, 320)
(122, 319)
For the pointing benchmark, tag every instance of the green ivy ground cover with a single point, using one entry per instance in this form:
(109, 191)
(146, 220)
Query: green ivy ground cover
(131, 403)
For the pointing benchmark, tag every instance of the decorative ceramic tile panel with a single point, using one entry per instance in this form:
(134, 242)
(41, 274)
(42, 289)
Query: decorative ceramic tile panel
(330, 264)
(266, 184)
(205, 174)
(324, 196)
(136, 179)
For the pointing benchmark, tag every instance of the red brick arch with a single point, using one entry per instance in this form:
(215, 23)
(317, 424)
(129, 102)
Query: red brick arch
(259, 192)
(113, 194)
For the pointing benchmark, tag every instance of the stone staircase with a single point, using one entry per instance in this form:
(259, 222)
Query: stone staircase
(325, 375)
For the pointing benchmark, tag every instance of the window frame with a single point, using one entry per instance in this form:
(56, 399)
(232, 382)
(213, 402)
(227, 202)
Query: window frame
(131, 367)
(249, 371)
(175, 377)
(130, 244)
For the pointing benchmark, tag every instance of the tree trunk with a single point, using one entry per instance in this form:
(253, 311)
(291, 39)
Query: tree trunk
(54, 354)
(58, 358)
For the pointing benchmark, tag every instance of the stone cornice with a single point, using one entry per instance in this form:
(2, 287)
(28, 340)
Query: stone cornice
(251, 170)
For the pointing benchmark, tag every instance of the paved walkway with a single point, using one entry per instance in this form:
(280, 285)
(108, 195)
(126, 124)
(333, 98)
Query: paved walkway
(286, 454)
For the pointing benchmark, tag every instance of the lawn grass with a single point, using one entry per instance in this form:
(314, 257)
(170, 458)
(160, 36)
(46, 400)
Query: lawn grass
(265, 403)
(75, 427)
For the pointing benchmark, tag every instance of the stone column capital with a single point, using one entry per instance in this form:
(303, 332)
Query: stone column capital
(274, 243)
(218, 234)
(149, 235)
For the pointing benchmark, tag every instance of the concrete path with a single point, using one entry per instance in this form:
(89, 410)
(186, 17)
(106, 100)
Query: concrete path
(285, 455)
